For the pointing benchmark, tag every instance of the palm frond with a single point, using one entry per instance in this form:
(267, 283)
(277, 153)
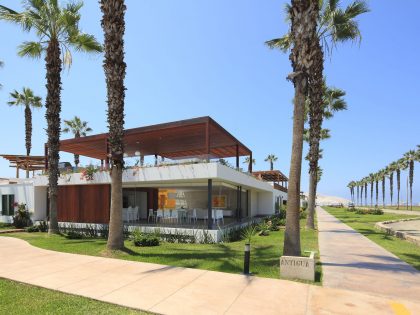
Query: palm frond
(356, 8)
(30, 49)
(283, 43)
(85, 42)
(23, 19)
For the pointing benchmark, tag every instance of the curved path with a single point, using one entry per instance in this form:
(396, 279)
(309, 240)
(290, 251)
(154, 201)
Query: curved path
(353, 262)
(174, 290)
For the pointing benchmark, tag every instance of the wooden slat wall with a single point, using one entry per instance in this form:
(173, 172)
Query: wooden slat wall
(84, 203)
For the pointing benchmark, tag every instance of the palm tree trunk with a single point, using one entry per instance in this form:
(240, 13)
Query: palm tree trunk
(304, 14)
(76, 156)
(398, 188)
(366, 194)
(357, 200)
(377, 192)
(113, 25)
(310, 220)
(271, 165)
(371, 194)
(411, 183)
(391, 186)
(53, 106)
(28, 133)
(383, 192)
(316, 82)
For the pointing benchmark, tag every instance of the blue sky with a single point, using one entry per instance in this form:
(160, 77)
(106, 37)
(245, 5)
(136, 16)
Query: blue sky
(192, 58)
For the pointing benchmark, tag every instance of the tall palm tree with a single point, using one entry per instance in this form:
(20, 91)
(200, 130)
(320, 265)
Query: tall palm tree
(271, 158)
(391, 169)
(357, 189)
(401, 164)
(28, 100)
(383, 174)
(113, 24)
(410, 157)
(333, 102)
(351, 186)
(371, 181)
(334, 25)
(79, 129)
(57, 29)
(303, 24)
(366, 182)
(378, 178)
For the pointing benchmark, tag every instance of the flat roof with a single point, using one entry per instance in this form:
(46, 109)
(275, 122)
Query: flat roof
(200, 137)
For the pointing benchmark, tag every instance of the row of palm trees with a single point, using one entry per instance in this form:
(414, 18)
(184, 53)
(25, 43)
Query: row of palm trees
(315, 27)
(359, 189)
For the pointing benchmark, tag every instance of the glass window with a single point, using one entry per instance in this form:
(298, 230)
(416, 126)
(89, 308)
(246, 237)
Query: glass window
(7, 204)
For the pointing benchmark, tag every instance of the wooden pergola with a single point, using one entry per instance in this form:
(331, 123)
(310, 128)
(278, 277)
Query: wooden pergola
(199, 137)
(274, 176)
(26, 163)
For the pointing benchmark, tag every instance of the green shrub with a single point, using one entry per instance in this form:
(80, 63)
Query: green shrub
(369, 211)
(74, 235)
(4, 225)
(22, 218)
(43, 226)
(264, 228)
(142, 239)
(32, 229)
(351, 209)
(302, 214)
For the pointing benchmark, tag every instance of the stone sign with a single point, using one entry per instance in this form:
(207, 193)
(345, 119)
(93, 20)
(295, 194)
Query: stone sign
(294, 267)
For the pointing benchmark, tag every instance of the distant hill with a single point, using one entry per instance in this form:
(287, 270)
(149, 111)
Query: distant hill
(325, 200)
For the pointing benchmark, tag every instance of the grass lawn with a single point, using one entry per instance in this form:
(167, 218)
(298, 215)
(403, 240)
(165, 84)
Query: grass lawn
(415, 208)
(19, 298)
(227, 257)
(6, 226)
(365, 224)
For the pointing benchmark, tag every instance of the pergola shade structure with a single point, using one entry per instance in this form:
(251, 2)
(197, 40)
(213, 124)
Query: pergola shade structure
(192, 138)
(275, 176)
(24, 162)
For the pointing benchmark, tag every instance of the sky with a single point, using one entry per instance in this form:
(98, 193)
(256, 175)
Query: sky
(191, 58)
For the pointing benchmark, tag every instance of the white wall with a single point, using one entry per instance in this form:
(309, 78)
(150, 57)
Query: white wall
(40, 201)
(24, 193)
(265, 203)
(254, 203)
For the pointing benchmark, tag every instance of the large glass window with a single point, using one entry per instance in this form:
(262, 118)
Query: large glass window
(7, 204)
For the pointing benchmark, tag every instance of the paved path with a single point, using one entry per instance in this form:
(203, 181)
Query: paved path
(351, 261)
(171, 290)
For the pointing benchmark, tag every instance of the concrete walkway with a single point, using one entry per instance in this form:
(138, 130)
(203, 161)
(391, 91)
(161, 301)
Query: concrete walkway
(353, 262)
(171, 290)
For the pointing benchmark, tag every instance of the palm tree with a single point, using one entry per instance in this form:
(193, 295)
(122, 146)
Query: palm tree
(410, 157)
(332, 102)
(351, 187)
(383, 174)
(303, 24)
(28, 100)
(401, 164)
(357, 189)
(271, 158)
(334, 25)
(391, 169)
(57, 29)
(79, 129)
(371, 179)
(246, 161)
(378, 178)
(113, 25)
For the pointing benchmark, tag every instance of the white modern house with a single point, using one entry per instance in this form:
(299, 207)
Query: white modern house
(191, 188)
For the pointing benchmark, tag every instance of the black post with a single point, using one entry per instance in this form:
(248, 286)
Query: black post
(247, 257)
(237, 157)
(209, 204)
(240, 203)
